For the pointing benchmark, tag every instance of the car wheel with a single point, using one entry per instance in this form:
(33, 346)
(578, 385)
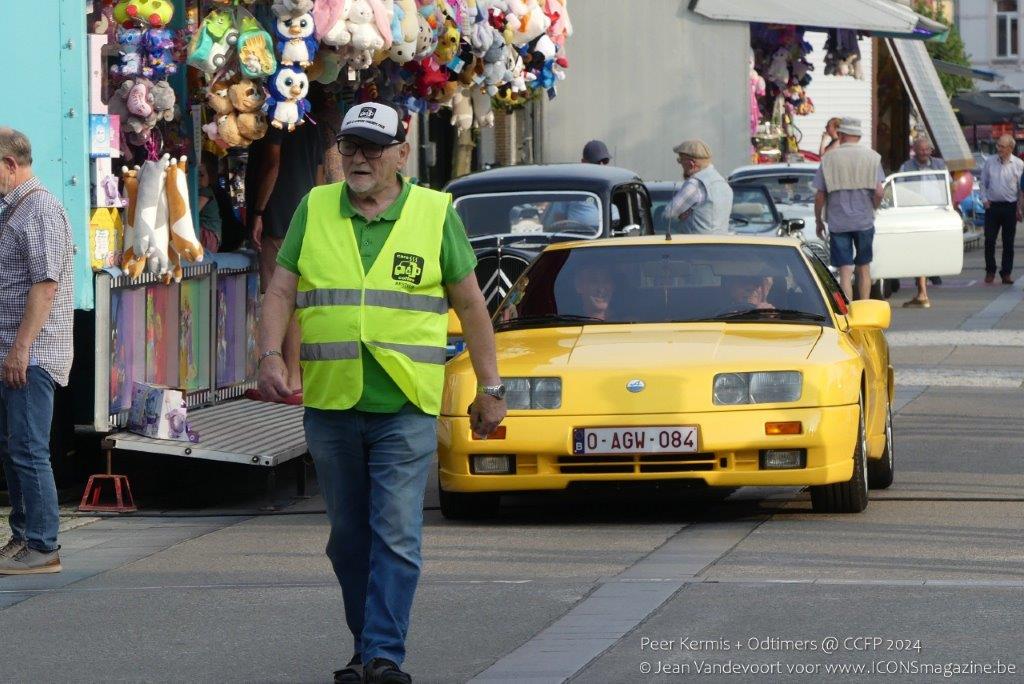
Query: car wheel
(850, 496)
(880, 472)
(883, 289)
(463, 506)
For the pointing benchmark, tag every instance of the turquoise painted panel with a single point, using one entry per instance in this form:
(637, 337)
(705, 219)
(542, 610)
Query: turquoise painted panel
(44, 85)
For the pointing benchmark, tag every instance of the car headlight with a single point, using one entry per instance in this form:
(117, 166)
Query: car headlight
(764, 387)
(533, 393)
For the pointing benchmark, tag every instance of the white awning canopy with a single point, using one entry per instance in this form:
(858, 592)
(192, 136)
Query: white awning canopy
(880, 17)
(925, 90)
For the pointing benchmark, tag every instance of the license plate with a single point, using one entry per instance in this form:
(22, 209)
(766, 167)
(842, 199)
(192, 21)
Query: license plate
(672, 439)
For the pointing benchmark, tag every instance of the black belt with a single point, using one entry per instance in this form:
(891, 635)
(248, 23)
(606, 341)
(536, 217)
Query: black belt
(1002, 201)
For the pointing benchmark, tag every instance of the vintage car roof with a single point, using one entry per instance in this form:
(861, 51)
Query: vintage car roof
(775, 169)
(677, 239)
(591, 177)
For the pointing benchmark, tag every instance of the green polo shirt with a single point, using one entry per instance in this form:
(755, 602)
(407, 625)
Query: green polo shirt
(380, 393)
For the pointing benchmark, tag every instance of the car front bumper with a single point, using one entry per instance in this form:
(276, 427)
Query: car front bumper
(729, 448)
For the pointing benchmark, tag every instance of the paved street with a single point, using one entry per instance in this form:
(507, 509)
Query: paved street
(576, 589)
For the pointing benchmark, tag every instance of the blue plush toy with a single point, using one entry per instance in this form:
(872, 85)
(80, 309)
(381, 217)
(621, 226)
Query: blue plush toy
(296, 43)
(288, 106)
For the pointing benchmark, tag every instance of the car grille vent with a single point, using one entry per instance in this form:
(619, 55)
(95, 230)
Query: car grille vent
(645, 463)
(497, 277)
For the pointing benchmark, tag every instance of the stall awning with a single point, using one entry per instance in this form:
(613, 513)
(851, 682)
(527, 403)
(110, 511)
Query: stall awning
(978, 109)
(925, 90)
(965, 71)
(880, 17)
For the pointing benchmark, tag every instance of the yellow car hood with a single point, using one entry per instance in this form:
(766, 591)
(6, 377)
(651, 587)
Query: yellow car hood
(675, 362)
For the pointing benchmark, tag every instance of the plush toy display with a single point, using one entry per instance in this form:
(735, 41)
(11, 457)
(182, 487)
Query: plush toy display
(150, 220)
(255, 50)
(287, 106)
(131, 263)
(158, 44)
(144, 13)
(182, 233)
(213, 42)
(295, 40)
(130, 50)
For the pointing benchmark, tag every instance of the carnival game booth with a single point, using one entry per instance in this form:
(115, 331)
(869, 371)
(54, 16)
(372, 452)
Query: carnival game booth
(139, 94)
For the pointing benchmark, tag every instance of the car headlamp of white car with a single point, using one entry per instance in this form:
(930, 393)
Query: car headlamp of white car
(533, 393)
(762, 387)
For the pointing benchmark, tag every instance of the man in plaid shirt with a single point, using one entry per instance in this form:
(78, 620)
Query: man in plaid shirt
(35, 352)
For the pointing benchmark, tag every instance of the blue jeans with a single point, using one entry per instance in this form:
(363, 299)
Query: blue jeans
(372, 469)
(25, 417)
(841, 247)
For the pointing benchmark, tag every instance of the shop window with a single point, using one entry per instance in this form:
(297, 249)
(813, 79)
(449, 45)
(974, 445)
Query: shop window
(1007, 28)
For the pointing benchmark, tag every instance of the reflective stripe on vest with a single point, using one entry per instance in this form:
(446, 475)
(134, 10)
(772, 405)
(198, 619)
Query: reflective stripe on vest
(397, 309)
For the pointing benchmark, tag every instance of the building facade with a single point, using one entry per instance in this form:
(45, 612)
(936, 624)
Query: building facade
(991, 31)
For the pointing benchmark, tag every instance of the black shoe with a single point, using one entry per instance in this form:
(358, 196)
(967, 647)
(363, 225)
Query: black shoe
(383, 671)
(935, 280)
(353, 672)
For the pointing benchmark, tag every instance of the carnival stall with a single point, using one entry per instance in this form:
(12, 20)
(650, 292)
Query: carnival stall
(178, 85)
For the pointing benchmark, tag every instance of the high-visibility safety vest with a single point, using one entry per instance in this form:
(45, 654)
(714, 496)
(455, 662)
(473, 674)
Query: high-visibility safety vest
(398, 309)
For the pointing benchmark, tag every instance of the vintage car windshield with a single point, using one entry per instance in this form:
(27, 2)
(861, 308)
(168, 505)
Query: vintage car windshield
(524, 213)
(751, 212)
(919, 190)
(665, 283)
(785, 188)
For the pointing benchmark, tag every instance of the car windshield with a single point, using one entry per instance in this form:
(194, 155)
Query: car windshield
(665, 283)
(526, 213)
(784, 187)
(919, 190)
(751, 211)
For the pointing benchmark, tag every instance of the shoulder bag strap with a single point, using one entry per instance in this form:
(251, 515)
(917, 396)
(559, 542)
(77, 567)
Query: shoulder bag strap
(15, 208)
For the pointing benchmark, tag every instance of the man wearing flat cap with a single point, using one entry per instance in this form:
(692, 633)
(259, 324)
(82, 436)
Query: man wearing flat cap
(704, 202)
(849, 183)
(369, 266)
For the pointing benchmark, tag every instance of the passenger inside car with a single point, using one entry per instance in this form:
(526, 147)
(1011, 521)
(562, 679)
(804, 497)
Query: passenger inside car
(596, 287)
(749, 292)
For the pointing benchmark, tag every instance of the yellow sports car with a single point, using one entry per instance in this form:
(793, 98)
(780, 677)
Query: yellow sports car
(729, 360)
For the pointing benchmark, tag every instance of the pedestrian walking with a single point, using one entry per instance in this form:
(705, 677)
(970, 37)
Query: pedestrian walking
(1000, 190)
(922, 160)
(282, 168)
(367, 265)
(35, 347)
(849, 184)
(830, 136)
(704, 202)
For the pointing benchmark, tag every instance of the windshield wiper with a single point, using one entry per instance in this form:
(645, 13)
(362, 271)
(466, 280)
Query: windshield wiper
(554, 319)
(787, 314)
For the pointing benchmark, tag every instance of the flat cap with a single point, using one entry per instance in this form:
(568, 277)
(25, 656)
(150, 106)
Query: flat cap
(694, 149)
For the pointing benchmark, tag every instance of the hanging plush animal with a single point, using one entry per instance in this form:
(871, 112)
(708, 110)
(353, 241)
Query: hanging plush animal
(182, 232)
(209, 47)
(483, 113)
(530, 21)
(131, 263)
(151, 231)
(295, 40)
(288, 9)
(287, 106)
(331, 20)
(144, 13)
(129, 42)
(365, 26)
(158, 45)
(255, 49)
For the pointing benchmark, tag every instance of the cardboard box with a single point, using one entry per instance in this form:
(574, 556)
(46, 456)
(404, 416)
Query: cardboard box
(106, 237)
(159, 412)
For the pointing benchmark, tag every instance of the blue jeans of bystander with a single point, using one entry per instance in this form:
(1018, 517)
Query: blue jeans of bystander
(372, 470)
(25, 418)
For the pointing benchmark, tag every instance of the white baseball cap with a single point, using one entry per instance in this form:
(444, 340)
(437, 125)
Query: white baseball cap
(374, 122)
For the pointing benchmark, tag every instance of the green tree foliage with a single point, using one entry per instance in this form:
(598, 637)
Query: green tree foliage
(952, 50)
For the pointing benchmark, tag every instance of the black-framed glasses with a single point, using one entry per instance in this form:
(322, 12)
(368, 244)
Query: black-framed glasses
(348, 148)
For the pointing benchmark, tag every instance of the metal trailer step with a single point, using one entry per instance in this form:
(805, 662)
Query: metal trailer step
(238, 431)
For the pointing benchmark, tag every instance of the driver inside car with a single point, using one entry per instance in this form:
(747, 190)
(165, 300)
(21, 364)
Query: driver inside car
(595, 287)
(749, 292)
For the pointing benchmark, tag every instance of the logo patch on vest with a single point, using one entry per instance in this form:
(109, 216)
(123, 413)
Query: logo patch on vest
(408, 268)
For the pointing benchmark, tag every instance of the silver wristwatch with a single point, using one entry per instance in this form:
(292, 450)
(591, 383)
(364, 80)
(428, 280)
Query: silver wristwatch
(496, 391)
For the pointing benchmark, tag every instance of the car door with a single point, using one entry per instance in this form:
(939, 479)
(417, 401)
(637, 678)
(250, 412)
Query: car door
(917, 230)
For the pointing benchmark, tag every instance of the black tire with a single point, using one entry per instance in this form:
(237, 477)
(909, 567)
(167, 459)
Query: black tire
(880, 472)
(850, 496)
(463, 506)
(884, 289)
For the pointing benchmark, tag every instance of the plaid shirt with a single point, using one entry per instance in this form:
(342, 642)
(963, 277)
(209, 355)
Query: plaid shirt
(690, 195)
(36, 245)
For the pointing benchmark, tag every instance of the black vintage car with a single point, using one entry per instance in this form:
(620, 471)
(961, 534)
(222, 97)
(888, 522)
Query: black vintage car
(513, 213)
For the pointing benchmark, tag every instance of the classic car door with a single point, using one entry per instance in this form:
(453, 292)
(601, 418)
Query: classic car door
(917, 230)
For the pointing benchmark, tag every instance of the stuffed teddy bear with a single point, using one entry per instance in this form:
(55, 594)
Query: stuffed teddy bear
(248, 99)
(295, 40)
(164, 99)
(287, 106)
(462, 111)
(369, 26)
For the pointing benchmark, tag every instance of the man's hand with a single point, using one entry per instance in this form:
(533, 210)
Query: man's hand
(1020, 215)
(15, 368)
(257, 232)
(273, 379)
(485, 414)
(819, 228)
(986, 204)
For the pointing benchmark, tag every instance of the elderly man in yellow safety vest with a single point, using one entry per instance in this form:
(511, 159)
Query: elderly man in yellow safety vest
(370, 265)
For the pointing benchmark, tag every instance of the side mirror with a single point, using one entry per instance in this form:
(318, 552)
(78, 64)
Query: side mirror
(454, 324)
(869, 314)
(626, 230)
(793, 226)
